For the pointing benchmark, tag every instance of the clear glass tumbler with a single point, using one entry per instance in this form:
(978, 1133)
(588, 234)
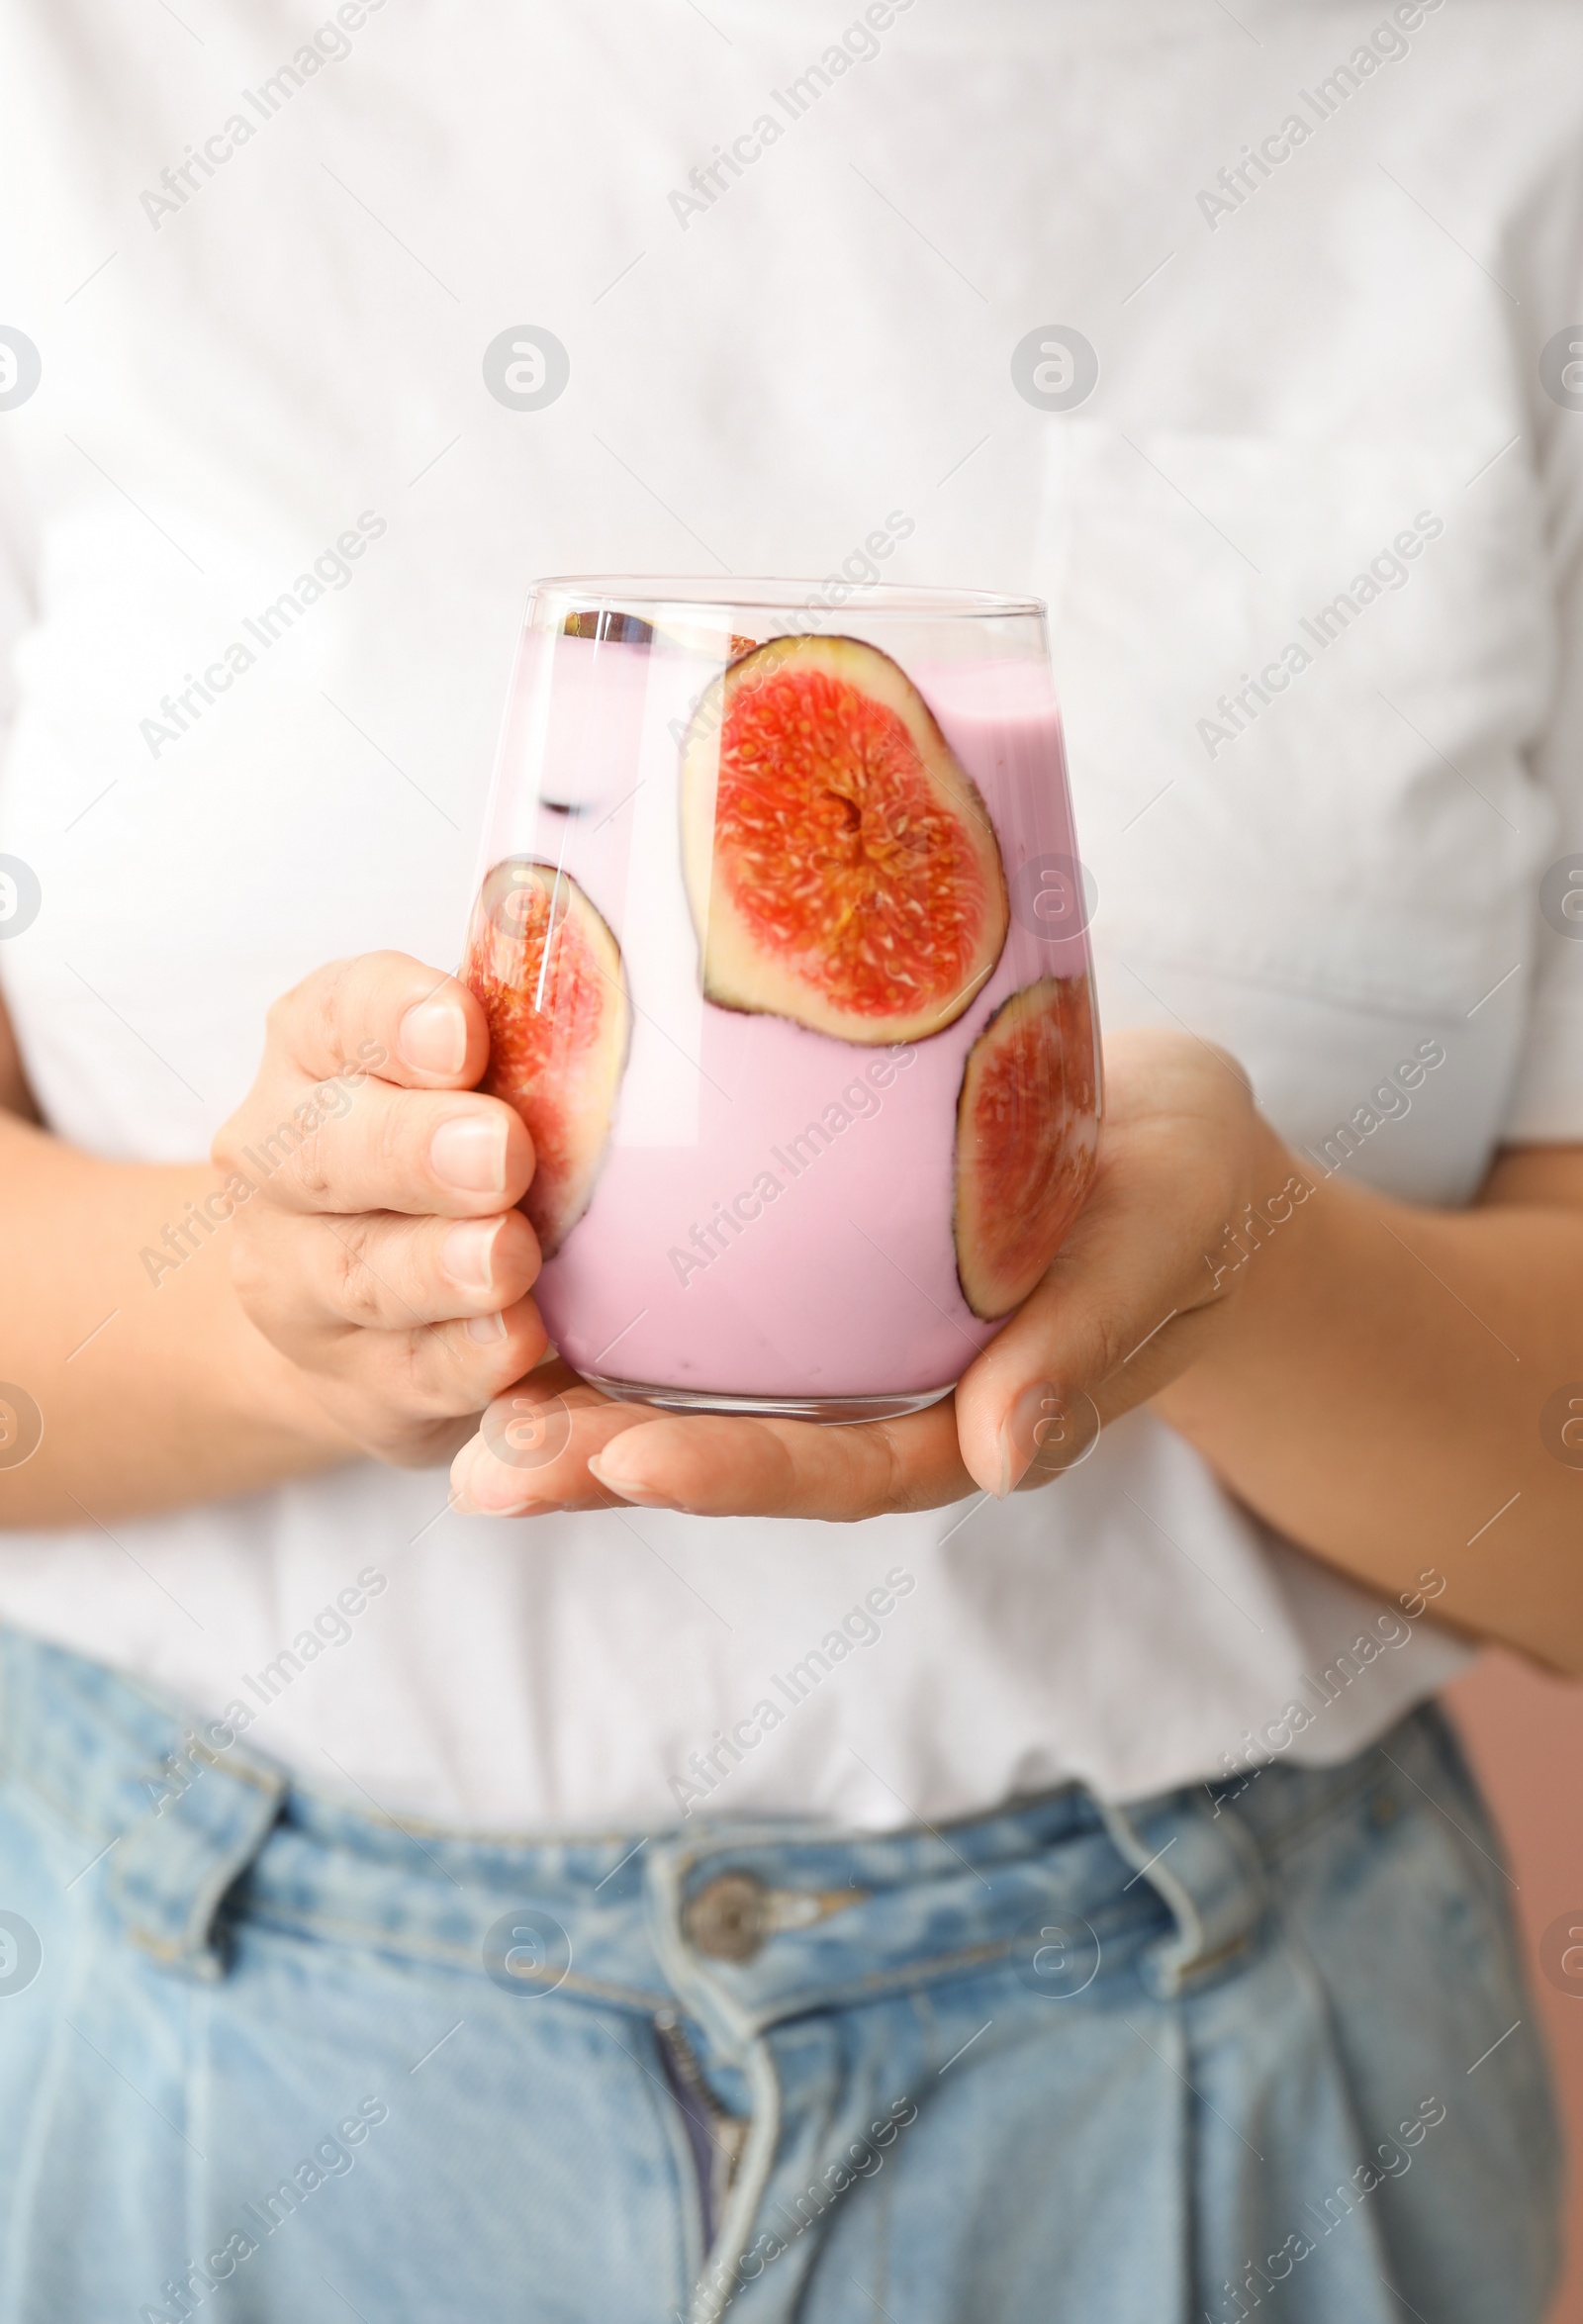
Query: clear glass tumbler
(782, 936)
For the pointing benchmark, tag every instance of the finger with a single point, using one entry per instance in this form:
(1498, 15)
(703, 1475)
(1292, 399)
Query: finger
(709, 1464)
(422, 1152)
(384, 1272)
(718, 1467)
(1125, 1304)
(1115, 1316)
(436, 1370)
(532, 1452)
(387, 1014)
(465, 1365)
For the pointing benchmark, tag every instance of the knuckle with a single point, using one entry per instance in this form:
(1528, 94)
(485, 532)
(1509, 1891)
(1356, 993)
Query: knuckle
(429, 1391)
(311, 1165)
(889, 1481)
(392, 1144)
(307, 1018)
(323, 1019)
(1110, 1341)
(356, 1287)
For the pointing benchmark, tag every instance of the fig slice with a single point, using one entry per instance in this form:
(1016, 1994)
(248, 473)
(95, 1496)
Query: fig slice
(606, 626)
(841, 866)
(1027, 1126)
(551, 980)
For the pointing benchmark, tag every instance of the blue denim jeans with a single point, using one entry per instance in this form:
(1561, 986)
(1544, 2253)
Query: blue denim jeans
(263, 2057)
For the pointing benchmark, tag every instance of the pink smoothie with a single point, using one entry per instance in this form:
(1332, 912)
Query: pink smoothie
(772, 1215)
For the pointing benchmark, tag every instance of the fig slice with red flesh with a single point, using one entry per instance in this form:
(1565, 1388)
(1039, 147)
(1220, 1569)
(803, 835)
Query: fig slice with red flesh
(1027, 1118)
(551, 980)
(841, 867)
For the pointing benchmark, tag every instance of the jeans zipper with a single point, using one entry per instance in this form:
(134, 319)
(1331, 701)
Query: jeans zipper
(716, 2135)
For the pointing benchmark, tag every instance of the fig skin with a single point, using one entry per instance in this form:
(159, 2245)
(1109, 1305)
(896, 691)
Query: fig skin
(1030, 1083)
(559, 1033)
(841, 866)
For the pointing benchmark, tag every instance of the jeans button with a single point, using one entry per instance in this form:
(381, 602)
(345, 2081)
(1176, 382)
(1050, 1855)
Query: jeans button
(729, 1917)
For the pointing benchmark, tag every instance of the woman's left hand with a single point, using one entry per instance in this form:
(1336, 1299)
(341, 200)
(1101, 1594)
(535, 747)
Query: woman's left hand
(1136, 1291)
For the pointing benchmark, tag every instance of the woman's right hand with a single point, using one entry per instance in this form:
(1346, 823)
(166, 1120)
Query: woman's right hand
(379, 1248)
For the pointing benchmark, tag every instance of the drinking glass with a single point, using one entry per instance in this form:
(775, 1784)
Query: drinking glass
(782, 935)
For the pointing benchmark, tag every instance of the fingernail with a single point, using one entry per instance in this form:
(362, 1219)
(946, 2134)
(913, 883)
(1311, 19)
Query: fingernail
(1047, 1432)
(469, 1152)
(468, 1253)
(485, 1327)
(432, 1036)
(1020, 1437)
(602, 1469)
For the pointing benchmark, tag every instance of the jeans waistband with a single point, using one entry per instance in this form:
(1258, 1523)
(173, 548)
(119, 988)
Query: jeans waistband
(744, 1925)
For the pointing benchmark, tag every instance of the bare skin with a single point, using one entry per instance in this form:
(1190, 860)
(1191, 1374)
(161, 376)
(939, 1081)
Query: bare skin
(1371, 1380)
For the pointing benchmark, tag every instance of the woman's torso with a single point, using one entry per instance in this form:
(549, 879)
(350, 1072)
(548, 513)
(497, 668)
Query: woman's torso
(1336, 881)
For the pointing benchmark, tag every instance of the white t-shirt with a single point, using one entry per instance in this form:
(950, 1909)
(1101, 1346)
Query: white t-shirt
(1311, 552)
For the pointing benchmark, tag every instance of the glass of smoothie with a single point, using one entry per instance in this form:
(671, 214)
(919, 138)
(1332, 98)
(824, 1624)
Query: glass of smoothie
(782, 936)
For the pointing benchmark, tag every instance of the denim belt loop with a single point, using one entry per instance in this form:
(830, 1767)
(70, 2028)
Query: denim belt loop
(171, 1868)
(1207, 1869)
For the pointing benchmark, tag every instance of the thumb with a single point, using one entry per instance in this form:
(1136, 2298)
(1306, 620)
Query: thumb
(1121, 1312)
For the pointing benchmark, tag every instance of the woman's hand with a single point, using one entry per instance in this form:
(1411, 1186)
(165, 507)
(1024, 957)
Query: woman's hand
(1135, 1292)
(380, 1250)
